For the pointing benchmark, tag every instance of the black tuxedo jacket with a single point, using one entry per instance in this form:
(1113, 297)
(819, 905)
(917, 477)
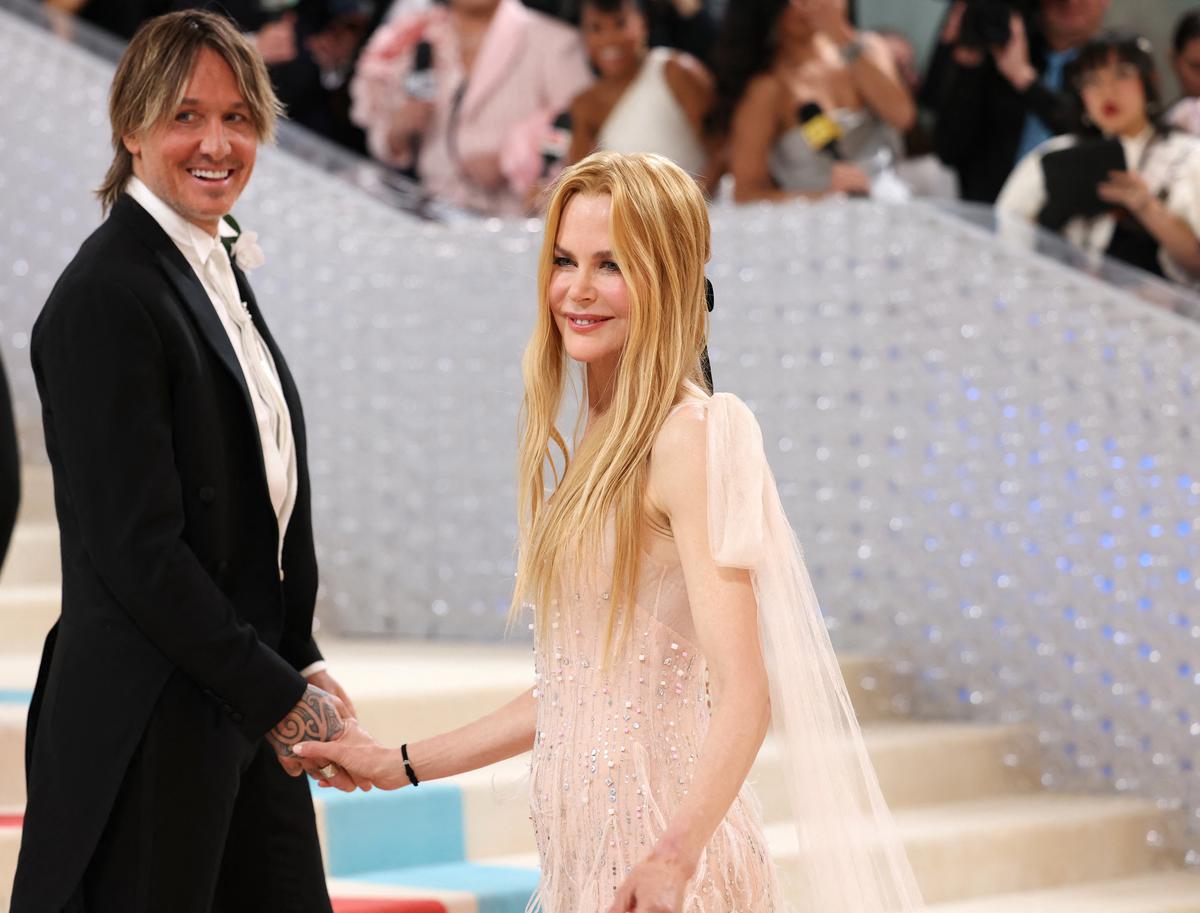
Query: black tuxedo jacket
(169, 539)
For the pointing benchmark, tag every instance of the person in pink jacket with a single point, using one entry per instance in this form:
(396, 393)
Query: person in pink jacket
(468, 91)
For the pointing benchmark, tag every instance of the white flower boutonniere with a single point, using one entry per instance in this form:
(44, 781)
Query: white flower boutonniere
(243, 247)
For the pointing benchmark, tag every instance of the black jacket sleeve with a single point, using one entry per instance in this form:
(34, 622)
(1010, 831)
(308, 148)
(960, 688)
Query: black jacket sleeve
(105, 384)
(10, 471)
(962, 110)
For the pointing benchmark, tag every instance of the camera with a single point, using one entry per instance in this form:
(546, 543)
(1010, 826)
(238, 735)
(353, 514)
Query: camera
(988, 23)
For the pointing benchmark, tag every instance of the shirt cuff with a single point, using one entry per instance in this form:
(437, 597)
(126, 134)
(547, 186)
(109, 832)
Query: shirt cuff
(319, 666)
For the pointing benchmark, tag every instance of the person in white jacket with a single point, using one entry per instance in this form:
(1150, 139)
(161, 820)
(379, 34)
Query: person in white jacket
(1154, 219)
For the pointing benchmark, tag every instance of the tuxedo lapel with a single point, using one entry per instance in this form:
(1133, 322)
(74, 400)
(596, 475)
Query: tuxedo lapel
(186, 284)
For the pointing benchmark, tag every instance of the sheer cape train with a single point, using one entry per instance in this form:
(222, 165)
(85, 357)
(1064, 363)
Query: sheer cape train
(851, 858)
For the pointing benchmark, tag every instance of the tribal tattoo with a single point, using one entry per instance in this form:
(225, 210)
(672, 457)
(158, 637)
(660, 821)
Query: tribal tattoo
(313, 719)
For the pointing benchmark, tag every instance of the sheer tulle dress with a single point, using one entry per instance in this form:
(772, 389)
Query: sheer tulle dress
(617, 747)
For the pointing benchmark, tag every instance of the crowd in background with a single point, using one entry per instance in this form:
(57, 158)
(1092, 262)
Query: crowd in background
(1027, 104)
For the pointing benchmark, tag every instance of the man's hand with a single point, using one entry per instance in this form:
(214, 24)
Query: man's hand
(327, 683)
(484, 171)
(1012, 60)
(317, 717)
(276, 41)
(408, 122)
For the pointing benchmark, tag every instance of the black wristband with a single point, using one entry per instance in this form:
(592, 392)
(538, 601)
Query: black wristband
(412, 776)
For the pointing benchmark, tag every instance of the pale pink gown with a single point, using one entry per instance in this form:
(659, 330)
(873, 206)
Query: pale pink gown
(616, 751)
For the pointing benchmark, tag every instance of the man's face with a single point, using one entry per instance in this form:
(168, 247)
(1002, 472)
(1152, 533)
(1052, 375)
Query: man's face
(1071, 23)
(199, 158)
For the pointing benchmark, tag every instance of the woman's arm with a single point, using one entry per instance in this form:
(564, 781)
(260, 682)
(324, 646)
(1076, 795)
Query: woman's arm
(875, 77)
(1173, 232)
(754, 130)
(504, 733)
(725, 614)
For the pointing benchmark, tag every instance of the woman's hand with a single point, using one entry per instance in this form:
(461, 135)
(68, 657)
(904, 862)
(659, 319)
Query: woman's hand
(849, 178)
(655, 885)
(367, 762)
(1127, 189)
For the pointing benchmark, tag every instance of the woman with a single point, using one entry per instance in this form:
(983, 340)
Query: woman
(1146, 213)
(1185, 60)
(645, 100)
(673, 616)
(465, 90)
(784, 63)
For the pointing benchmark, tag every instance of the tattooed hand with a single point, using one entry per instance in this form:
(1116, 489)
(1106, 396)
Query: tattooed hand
(317, 717)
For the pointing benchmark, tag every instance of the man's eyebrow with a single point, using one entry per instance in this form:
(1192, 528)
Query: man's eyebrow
(191, 102)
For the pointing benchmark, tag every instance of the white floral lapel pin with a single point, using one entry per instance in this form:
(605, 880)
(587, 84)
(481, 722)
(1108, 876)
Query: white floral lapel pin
(242, 246)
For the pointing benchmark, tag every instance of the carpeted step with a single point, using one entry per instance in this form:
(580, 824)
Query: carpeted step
(33, 558)
(1164, 892)
(26, 614)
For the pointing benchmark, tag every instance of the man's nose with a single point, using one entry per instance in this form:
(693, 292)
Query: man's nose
(214, 143)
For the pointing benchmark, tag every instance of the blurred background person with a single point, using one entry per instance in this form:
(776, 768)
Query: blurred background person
(10, 472)
(812, 105)
(1185, 61)
(308, 46)
(919, 167)
(462, 95)
(997, 87)
(117, 17)
(646, 99)
(1128, 185)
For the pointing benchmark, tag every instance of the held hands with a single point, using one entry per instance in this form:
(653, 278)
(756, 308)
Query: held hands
(850, 179)
(656, 885)
(359, 756)
(318, 716)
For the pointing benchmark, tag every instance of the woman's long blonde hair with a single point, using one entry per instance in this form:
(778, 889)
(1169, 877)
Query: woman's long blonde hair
(661, 240)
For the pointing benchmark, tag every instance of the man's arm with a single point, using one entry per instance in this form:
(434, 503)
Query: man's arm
(102, 373)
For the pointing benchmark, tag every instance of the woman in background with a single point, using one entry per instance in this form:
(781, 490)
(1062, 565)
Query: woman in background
(812, 105)
(463, 92)
(1150, 217)
(646, 100)
(1185, 60)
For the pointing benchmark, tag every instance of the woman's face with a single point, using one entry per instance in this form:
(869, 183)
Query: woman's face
(1114, 98)
(615, 42)
(1187, 68)
(588, 295)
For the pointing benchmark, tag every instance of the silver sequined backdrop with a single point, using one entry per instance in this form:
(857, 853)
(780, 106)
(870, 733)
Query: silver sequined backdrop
(989, 457)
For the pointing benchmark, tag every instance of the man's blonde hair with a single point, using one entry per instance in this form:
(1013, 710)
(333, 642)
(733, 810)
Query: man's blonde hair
(154, 73)
(661, 240)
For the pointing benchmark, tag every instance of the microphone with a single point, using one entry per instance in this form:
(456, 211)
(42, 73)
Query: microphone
(557, 142)
(420, 84)
(821, 131)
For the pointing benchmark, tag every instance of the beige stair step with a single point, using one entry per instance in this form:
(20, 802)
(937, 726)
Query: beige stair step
(1166, 892)
(33, 558)
(37, 495)
(12, 757)
(26, 614)
(982, 850)
(917, 763)
(10, 845)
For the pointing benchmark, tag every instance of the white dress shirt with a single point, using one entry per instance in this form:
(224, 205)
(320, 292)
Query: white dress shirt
(197, 247)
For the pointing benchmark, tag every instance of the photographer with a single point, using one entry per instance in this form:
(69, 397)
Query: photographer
(1128, 185)
(997, 86)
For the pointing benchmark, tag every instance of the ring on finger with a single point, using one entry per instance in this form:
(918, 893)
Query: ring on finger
(329, 771)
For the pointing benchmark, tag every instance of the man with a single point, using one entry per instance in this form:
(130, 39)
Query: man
(995, 105)
(10, 471)
(174, 683)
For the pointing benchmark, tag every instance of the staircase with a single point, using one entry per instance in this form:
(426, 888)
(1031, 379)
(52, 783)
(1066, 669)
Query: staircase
(982, 836)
